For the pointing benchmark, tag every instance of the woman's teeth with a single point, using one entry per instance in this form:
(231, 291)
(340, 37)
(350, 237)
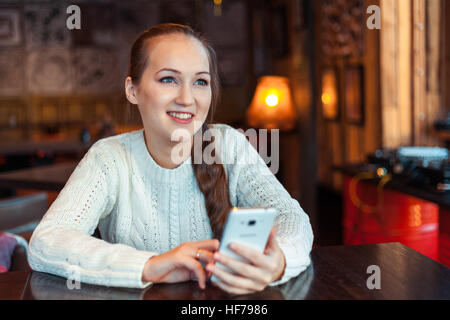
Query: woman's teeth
(180, 115)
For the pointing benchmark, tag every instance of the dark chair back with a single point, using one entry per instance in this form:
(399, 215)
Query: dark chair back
(22, 214)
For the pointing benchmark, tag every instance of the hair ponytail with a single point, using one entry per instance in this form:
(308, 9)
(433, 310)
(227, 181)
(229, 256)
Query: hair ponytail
(212, 182)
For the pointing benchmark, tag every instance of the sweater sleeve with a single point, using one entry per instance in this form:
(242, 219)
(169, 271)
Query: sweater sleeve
(256, 185)
(62, 244)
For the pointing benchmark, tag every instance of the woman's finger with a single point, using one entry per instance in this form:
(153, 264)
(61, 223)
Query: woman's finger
(254, 257)
(242, 268)
(211, 244)
(233, 280)
(230, 289)
(204, 256)
(272, 244)
(270, 241)
(197, 268)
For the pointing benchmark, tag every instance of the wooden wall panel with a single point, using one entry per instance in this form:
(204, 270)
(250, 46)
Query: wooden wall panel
(372, 133)
(434, 87)
(396, 72)
(410, 71)
(337, 150)
(420, 71)
(341, 142)
(445, 42)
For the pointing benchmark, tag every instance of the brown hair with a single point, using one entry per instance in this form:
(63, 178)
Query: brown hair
(211, 178)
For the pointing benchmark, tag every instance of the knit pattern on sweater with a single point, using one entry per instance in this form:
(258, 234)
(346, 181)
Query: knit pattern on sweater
(143, 209)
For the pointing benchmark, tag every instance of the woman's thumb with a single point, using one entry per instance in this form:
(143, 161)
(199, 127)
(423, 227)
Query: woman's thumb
(271, 241)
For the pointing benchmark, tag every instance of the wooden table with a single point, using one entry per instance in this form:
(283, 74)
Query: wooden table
(49, 178)
(338, 272)
(53, 147)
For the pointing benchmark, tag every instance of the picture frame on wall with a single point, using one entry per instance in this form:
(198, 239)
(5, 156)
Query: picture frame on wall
(231, 64)
(330, 94)
(299, 8)
(354, 94)
(12, 70)
(230, 43)
(280, 32)
(10, 33)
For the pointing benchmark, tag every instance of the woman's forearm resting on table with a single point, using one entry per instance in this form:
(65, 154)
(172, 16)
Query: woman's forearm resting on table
(72, 254)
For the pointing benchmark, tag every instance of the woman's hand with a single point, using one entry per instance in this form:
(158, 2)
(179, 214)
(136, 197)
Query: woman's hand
(249, 277)
(181, 264)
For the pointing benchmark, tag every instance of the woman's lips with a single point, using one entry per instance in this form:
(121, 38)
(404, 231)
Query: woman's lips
(182, 121)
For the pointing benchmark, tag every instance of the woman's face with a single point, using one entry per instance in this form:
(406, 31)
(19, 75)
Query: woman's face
(176, 81)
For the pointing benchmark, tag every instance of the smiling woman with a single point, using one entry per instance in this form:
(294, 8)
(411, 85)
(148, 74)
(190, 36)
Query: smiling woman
(160, 217)
(167, 63)
(173, 88)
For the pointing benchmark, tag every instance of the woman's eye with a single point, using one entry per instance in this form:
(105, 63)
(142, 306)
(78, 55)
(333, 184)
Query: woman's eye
(202, 82)
(167, 80)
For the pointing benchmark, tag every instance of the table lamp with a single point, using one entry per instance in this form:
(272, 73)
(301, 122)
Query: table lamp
(272, 106)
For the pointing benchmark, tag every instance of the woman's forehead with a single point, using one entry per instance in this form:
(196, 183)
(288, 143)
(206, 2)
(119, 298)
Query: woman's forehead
(179, 52)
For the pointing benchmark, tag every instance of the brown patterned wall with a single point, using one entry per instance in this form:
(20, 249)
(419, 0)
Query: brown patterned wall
(52, 75)
(342, 31)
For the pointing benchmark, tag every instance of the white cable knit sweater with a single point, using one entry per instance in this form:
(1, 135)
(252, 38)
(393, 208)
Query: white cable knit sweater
(143, 209)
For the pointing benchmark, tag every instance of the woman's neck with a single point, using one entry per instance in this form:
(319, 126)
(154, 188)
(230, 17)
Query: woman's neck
(168, 155)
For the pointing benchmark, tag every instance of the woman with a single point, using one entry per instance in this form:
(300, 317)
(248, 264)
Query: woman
(157, 211)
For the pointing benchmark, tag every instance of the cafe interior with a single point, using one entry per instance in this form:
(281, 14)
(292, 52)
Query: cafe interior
(357, 92)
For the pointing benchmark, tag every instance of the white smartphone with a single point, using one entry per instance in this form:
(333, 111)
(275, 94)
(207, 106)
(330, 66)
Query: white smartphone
(248, 226)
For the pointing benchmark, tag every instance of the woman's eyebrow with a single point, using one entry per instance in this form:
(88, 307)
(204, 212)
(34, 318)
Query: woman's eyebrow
(176, 71)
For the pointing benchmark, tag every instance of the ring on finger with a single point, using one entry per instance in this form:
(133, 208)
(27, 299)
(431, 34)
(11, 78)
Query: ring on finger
(197, 254)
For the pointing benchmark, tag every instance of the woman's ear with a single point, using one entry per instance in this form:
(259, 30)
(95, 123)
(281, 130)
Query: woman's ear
(130, 91)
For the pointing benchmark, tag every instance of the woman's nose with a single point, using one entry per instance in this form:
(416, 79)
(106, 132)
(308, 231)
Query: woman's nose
(185, 96)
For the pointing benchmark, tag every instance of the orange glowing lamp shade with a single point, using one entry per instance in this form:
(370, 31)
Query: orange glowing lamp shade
(272, 106)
